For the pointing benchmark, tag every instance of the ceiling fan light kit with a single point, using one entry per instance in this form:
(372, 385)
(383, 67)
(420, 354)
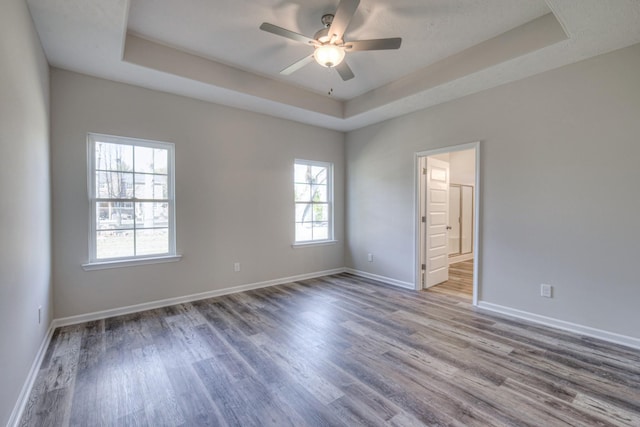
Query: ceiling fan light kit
(329, 55)
(329, 46)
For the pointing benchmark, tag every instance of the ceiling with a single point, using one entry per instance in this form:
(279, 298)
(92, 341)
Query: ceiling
(213, 49)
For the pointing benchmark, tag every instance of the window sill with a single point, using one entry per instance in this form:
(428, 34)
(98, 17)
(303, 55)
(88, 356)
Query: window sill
(102, 265)
(318, 243)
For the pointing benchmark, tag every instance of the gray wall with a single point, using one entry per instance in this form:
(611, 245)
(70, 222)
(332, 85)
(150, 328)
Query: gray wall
(25, 248)
(234, 193)
(559, 179)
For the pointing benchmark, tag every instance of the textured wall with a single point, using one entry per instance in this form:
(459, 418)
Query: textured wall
(25, 244)
(559, 190)
(234, 193)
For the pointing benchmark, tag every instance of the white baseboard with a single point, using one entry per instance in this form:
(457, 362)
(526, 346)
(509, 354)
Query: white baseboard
(388, 280)
(18, 409)
(98, 315)
(561, 324)
(23, 398)
(460, 258)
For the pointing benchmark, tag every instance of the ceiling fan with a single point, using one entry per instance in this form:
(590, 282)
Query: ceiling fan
(330, 48)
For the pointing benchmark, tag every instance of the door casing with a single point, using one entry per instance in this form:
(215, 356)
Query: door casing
(419, 193)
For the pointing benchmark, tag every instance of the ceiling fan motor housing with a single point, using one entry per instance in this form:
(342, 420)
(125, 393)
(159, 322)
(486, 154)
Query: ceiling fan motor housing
(329, 45)
(327, 19)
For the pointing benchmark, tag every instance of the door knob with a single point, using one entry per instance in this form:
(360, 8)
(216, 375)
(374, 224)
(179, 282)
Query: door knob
(448, 227)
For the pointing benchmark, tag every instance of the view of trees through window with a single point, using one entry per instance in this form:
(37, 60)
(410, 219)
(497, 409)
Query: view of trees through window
(312, 200)
(131, 197)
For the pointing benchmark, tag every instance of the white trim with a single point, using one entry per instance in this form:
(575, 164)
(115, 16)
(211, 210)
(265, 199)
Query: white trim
(16, 414)
(476, 212)
(330, 200)
(98, 315)
(314, 243)
(460, 258)
(387, 280)
(95, 138)
(102, 265)
(562, 324)
(476, 228)
(449, 149)
(23, 398)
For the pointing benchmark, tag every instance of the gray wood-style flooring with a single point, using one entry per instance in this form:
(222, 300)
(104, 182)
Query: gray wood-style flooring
(460, 281)
(338, 351)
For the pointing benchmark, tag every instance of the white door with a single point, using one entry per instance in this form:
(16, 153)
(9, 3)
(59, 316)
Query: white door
(437, 217)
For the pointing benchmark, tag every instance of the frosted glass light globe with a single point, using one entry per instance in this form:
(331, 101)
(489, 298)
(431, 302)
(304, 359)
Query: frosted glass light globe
(329, 55)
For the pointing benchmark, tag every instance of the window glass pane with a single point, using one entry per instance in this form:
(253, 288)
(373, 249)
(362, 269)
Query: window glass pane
(144, 159)
(151, 160)
(301, 173)
(303, 192)
(320, 230)
(151, 186)
(303, 231)
(114, 216)
(319, 193)
(114, 185)
(320, 212)
(123, 169)
(303, 212)
(150, 242)
(103, 212)
(152, 215)
(114, 244)
(312, 195)
(114, 157)
(318, 174)
(160, 187)
(160, 161)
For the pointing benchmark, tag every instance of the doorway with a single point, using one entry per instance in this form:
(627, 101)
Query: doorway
(447, 210)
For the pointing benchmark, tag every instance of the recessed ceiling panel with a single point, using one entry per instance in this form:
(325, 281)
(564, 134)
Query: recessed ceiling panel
(214, 50)
(227, 31)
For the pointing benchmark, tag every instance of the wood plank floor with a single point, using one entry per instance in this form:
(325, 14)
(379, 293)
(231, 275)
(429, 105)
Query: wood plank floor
(338, 351)
(460, 281)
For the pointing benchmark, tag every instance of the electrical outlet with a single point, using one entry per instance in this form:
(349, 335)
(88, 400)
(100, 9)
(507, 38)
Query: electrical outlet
(236, 267)
(39, 314)
(370, 257)
(545, 290)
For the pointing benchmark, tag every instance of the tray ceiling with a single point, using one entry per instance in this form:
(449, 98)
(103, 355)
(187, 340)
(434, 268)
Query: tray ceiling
(214, 50)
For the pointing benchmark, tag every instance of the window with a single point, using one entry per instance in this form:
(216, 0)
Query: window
(313, 201)
(131, 190)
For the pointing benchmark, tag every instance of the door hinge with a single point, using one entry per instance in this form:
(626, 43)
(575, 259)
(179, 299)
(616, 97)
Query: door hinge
(424, 171)
(424, 219)
(424, 266)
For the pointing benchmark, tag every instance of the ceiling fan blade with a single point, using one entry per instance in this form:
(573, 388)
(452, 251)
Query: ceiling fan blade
(375, 44)
(344, 13)
(344, 71)
(279, 31)
(297, 65)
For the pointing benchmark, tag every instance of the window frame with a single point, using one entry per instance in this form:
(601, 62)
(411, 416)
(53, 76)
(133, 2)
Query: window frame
(170, 255)
(330, 204)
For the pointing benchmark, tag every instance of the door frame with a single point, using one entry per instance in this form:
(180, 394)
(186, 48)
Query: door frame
(419, 194)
